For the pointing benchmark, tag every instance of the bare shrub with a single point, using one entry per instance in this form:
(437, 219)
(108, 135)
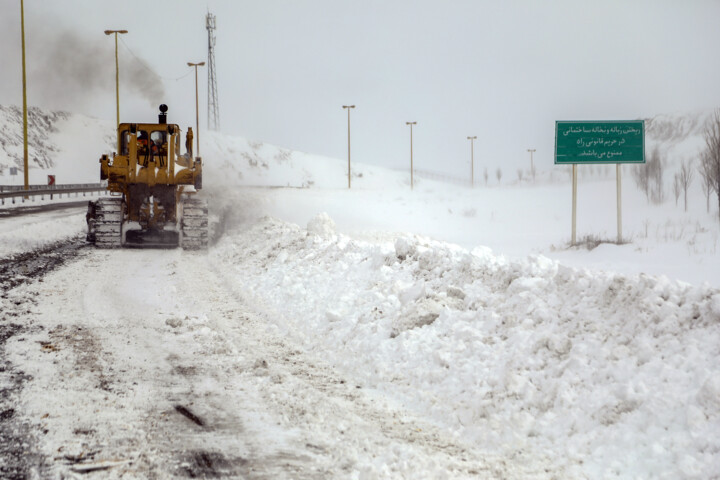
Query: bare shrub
(641, 175)
(685, 178)
(712, 152)
(649, 177)
(283, 155)
(706, 178)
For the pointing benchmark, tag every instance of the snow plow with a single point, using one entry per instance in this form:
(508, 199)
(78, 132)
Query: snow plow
(152, 201)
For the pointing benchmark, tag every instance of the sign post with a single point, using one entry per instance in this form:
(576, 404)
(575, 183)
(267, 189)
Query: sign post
(619, 203)
(599, 142)
(574, 204)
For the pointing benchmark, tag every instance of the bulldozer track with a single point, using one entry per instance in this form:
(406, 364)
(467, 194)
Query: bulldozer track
(195, 224)
(108, 222)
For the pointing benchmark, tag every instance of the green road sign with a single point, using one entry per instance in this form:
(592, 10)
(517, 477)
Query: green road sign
(600, 142)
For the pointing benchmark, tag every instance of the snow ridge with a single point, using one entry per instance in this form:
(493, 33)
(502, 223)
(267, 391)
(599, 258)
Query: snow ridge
(605, 375)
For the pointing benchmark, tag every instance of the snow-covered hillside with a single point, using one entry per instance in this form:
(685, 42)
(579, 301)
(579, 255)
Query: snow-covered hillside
(59, 143)
(236, 161)
(58, 140)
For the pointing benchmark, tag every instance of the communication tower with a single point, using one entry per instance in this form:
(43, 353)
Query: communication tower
(213, 105)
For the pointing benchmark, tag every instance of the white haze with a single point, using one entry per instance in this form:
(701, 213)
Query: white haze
(504, 71)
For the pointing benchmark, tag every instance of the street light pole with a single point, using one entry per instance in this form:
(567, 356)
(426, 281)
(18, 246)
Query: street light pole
(532, 167)
(24, 86)
(197, 117)
(472, 161)
(411, 152)
(348, 107)
(117, 74)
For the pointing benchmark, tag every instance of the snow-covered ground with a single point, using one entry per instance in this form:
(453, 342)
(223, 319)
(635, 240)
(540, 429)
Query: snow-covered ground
(461, 314)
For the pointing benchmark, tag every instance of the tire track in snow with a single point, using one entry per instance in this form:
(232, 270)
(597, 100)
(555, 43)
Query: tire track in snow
(135, 345)
(18, 438)
(365, 423)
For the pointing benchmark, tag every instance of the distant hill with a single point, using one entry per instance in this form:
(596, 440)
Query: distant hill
(41, 125)
(69, 145)
(59, 143)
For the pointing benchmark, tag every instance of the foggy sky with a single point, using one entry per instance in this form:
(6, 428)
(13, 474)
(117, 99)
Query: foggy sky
(504, 71)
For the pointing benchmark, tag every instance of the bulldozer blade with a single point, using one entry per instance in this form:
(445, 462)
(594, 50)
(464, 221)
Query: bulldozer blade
(152, 239)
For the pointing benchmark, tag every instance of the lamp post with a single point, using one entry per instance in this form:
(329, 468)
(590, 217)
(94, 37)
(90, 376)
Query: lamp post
(411, 152)
(197, 117)
(348, 107)
(532, 167)
(117, 74)
(472, 160)
(24, 86)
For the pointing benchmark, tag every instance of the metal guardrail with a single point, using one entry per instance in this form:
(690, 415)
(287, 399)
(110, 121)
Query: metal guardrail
(65, 186)
(15, 191)
(442, 177)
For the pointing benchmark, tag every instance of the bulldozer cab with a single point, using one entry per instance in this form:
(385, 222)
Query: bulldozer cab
(151, 142)
(149, 154)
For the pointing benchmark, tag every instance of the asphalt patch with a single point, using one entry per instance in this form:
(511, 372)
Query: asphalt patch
(28, 266)
(205, 464)
(19, 459)
(185, 412)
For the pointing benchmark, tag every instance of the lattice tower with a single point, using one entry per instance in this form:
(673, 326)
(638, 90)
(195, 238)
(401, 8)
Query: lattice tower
(212, 103)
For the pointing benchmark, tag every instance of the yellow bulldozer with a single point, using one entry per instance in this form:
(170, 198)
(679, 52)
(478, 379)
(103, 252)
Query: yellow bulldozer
(152, 200)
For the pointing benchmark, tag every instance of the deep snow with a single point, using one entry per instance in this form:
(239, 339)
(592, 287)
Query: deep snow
(611, 376)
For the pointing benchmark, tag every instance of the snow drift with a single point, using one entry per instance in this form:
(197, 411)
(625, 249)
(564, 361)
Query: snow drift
(610, 376)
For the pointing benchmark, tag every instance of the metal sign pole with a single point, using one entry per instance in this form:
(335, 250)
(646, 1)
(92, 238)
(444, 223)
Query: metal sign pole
(411, 152)
(348, 107)
(574, 204)
(619, 205)
(411, 159)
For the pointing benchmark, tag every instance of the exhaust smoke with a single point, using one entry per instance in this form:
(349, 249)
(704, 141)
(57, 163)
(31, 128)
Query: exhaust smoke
(72, 71)
(70, 67)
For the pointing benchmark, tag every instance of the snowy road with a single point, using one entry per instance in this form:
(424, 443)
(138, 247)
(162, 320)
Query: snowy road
(26, 229)
(42, 207)
(146, 364)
